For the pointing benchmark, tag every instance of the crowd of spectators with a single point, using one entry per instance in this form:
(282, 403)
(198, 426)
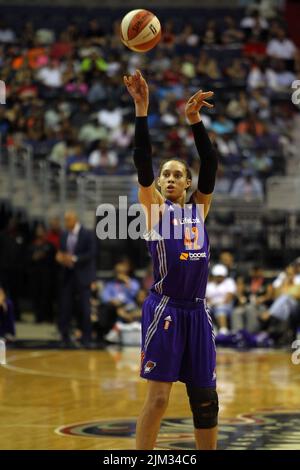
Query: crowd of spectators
(65, 95)
(65, 98)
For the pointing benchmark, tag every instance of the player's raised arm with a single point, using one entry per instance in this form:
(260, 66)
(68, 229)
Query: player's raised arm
(142, 156)
(207, 154)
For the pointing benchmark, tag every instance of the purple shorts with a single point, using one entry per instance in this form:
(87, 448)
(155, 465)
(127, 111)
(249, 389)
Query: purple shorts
(178, 342)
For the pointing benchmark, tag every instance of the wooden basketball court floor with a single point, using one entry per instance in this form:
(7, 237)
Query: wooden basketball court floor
(54, 399)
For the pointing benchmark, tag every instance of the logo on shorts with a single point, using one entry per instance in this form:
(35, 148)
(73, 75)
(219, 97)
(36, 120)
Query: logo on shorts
(167, 324)
(149, 366)
(192, 256)
(214, 377)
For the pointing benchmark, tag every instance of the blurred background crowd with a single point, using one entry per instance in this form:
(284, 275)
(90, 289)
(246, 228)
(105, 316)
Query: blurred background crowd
(65, 95)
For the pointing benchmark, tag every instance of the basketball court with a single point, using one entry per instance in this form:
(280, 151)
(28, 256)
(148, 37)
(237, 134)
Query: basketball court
(90, 400)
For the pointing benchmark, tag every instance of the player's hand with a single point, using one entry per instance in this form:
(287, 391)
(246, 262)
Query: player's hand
(138, 89)
(194, 105)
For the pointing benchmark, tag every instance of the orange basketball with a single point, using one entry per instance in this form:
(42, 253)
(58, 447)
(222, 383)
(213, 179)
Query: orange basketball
(140, 30)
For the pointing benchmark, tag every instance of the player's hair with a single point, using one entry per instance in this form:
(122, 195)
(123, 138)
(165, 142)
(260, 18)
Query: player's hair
(187, 168)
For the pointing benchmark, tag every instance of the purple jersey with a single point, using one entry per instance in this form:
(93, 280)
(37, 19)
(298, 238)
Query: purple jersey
(180, 262)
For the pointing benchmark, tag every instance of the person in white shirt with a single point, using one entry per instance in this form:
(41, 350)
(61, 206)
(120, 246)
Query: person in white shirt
(51, 75)
(247, 186)
(279, 78)
(286, 296)
(282, 276)
(7, 35)
(103, 157)
(111, 116)
(281, 47)
(254, 21)
(220, 294)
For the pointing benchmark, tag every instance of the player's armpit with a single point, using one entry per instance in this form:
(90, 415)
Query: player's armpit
(151, 199)
(201, 198)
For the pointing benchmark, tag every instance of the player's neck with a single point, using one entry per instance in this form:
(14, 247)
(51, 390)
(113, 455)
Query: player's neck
(179, 201)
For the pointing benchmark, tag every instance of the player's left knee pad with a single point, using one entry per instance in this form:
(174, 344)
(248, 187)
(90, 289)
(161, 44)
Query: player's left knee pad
(204, 404)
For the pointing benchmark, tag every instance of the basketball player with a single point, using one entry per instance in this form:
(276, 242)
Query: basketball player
(177, 334)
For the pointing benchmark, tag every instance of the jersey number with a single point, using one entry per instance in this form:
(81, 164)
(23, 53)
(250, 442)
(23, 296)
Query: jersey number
(191, 238)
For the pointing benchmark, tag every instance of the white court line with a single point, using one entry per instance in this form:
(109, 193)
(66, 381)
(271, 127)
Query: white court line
(62, 375)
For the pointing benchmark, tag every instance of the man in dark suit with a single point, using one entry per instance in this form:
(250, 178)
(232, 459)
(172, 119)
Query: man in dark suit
(76, 256)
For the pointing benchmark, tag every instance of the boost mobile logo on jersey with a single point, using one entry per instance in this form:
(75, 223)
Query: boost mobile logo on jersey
(192, 256)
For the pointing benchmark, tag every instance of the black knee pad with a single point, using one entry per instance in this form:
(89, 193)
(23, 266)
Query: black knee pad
(204, 405)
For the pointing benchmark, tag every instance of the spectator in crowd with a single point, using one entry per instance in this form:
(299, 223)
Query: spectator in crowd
(92, 131)
(236, 71)
(189, 37)
(7, 35)
(238, 106)
(258, 76)
(254, 22)
(128, 318)
(231, 33)
(132, 312)
(286, 303)
(76, 256)
(259, 104)
(247, 187)
(51, 75)
(119, 293)
(54, 232)
(207, 67)
(223, 183)
(252, 297)
(280, 79)
(110, 116)
(254, 48)
(266, 8)
(211, 34)
(12, 261)
(122, 137)
(222, 125)
(226, 258)
(245, 314)
(123, 288)
(227, 146)
(282, 276)
(220, 295)
(41, 268)
(7, 319)
(77, 161)
(261, 164)
(281, 47)
(256, 281)
(103, 158)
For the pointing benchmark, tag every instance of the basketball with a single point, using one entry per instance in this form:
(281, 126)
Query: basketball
(140, 30)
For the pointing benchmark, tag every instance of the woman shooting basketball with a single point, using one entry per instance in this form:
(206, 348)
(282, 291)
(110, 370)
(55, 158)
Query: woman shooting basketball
(177, 334)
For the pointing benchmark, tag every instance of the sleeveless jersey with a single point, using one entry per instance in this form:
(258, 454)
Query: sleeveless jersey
(180, 257)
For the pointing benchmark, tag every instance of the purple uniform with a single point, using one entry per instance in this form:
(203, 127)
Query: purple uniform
(177, 333)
